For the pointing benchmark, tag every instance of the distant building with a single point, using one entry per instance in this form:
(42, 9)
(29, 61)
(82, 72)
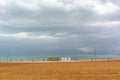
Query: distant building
(65, 59)
(53, 59)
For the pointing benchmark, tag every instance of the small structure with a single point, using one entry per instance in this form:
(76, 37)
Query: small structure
(65, 59)
(53, 59)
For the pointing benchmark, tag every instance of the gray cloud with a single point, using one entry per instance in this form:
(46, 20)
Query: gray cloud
(60, 26)
(45, 18)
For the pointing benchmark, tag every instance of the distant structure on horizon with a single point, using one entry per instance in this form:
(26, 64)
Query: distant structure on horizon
(58, 59)
(53, 59)
(65, 59)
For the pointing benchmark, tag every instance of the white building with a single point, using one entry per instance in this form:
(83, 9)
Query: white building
(65, 59)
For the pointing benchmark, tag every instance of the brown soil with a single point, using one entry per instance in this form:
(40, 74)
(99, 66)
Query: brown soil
(85, 70)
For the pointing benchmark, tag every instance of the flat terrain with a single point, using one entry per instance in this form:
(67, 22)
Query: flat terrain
(84, 70)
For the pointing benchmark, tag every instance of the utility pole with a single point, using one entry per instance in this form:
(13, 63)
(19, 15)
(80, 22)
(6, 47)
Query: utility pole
(95, 54)
(0, 55)
(8, 55)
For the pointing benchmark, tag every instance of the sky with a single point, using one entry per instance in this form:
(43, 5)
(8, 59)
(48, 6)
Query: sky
(59, 27)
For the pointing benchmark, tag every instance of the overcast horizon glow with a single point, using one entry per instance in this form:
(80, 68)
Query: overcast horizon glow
(59, 27)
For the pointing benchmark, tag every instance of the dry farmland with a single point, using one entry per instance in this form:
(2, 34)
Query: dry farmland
(84, 70)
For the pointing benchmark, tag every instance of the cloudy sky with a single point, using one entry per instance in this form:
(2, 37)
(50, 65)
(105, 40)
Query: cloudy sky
(59, 27)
